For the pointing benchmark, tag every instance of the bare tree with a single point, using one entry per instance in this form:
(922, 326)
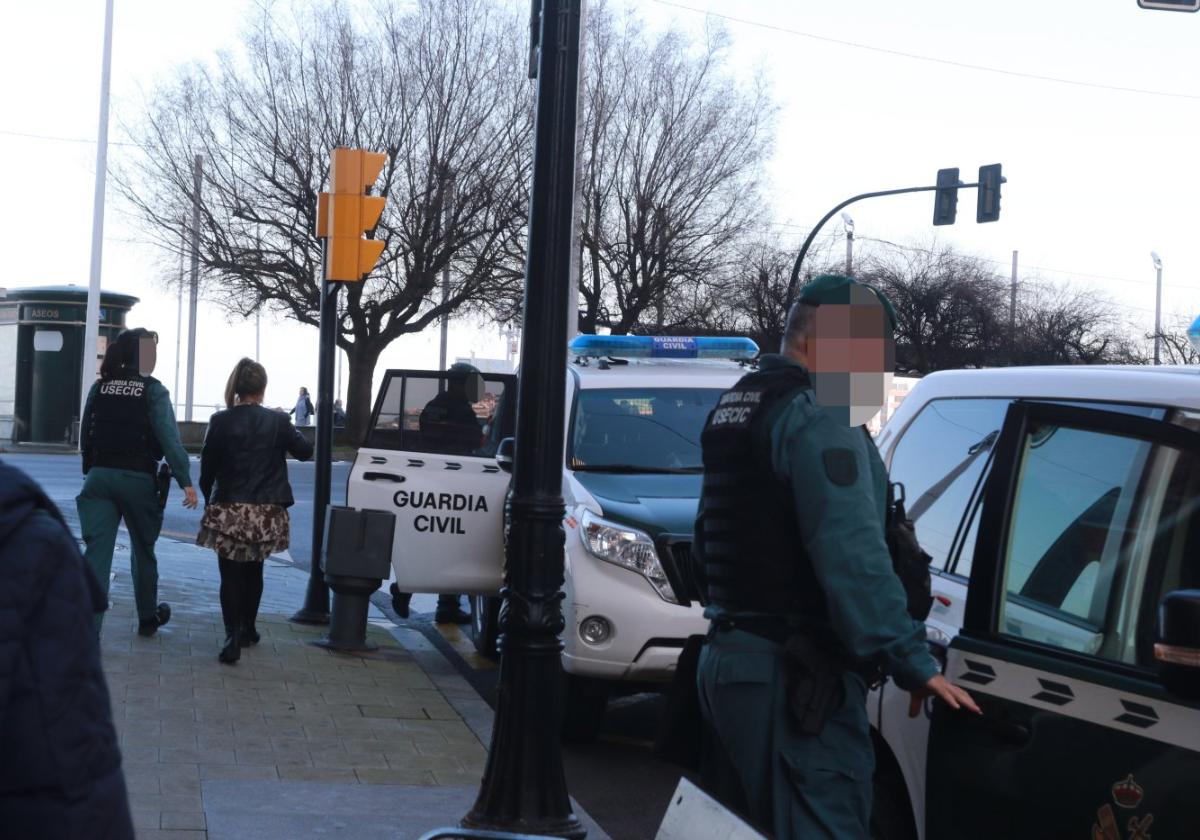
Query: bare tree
(673, 150)
(1061, 324)
(438, 85)
(1175, 348)
(950, 308)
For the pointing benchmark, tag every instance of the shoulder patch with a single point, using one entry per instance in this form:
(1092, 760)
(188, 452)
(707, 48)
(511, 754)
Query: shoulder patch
(840, 466)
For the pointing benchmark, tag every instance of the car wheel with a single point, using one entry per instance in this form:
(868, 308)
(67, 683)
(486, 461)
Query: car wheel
(485, 624)
(891, 816)
(584, 705)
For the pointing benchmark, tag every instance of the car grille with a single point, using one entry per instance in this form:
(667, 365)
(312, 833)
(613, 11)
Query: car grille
(675, 554)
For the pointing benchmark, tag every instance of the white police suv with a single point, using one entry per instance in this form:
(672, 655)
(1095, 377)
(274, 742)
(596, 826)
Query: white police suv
(437, 456)
(1062, 510)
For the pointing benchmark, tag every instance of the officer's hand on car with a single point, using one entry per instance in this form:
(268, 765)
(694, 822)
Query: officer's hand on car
(189, 497)
(940, 687)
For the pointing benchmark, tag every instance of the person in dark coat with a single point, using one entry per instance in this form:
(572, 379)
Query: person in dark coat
(244, 479)
(60, 767)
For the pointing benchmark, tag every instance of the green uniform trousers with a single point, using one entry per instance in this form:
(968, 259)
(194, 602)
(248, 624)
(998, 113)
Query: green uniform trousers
(792, 785)
(110, 495)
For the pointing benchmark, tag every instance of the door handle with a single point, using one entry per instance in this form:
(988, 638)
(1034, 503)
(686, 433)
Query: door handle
(382, 476)
(1009, 731)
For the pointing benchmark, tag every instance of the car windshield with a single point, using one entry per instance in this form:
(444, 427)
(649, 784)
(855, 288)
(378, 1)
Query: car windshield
(639, 430)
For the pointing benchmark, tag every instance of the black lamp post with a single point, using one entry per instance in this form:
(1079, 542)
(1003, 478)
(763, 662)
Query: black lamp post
(524, 788)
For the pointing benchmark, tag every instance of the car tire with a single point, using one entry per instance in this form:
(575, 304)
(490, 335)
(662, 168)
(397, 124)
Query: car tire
(485, 624)
(891, 816)
(584, 703)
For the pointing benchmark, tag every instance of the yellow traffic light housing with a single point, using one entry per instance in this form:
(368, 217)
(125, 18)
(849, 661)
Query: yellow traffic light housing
(344, 214)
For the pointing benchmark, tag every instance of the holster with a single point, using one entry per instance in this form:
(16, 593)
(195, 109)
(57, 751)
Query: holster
(162, 483)
(814, 683)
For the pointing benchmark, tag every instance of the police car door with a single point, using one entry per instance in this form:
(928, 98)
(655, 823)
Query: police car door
(429, 458)
(1089, 521)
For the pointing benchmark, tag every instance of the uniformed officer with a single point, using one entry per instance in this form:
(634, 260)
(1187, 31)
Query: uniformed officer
(805, 607)
(128, 425)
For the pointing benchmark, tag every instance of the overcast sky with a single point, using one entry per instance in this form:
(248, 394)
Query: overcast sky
(1090, 106)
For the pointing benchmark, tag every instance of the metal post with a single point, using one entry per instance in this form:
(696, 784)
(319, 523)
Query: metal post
(447, 203)
(1012, 315)
(849, 252)
(194, 285)
(524, 787)
(257, 336)
(1157, 311)
(179, 313)
(91, 330)
(316, 596)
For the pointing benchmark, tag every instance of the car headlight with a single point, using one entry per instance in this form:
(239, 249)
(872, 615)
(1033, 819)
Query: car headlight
(628, 548)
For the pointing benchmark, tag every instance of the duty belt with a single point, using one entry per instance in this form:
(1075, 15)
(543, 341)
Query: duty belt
(125, 461)
(779, 630)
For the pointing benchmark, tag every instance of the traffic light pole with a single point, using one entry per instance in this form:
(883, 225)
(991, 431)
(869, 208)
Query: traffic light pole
(795, 278)
(316, 597)
(524, 787)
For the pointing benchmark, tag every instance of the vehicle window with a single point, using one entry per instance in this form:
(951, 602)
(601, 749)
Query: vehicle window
(641, 429)
(1094, 518)
(448, 414)
(938, 460)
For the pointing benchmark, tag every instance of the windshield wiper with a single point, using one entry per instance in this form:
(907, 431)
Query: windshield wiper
(636, 468)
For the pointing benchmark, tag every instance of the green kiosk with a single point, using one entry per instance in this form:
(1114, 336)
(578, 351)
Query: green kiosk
(41, 351)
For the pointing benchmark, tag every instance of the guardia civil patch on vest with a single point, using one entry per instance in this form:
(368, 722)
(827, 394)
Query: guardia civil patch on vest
(840, 466)
(735, 409)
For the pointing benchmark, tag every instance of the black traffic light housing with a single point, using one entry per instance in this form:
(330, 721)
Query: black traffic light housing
(945, 199)
(990, 179)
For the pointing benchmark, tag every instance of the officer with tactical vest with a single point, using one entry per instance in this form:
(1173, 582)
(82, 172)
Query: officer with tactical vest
(806, 610)
(128, 426)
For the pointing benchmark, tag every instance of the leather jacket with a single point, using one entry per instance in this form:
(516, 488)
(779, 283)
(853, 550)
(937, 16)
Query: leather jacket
(245, 456)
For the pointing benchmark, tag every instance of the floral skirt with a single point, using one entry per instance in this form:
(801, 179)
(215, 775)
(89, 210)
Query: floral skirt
(248, 533)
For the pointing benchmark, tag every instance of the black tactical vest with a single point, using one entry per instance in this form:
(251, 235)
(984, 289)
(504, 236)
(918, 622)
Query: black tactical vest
(120, 434)
(752, 551)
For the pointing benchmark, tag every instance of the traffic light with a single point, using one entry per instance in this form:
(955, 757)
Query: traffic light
(945, 199)
(988, 208)
(344, 214)
(1171, 5)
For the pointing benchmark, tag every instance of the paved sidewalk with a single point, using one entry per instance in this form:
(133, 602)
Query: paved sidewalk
(293, 740)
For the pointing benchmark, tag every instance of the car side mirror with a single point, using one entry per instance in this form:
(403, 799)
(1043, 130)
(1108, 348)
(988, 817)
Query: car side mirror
(1177, 647)
(505, 453)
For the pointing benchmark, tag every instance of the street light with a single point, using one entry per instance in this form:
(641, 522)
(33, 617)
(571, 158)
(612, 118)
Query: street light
(1157, 302)
(849, 223)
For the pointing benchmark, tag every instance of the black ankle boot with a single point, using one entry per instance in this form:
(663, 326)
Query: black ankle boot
(232, 651)
(249, 635)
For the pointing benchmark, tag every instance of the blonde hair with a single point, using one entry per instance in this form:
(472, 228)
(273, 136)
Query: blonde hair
(249, 379)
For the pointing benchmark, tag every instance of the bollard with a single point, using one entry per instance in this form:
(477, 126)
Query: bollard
(355, 559)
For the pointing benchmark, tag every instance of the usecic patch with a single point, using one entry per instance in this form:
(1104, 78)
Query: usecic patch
(840, 466)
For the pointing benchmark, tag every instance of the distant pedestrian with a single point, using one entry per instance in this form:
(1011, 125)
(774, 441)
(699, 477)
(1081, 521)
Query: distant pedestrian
(339, 415)
(128, 427)
(304, 408)
(244, 479)
(60, 767)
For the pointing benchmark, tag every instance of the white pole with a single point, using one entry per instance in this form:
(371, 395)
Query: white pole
(447, 205)
(850, 255)
(91, 332)
(1012, 314)
(1157, 311)
(257, 337)
(179, 312)
(194, 285)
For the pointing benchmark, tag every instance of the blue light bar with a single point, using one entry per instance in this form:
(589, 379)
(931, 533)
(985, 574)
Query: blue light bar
(663, 347)
(1194, 334)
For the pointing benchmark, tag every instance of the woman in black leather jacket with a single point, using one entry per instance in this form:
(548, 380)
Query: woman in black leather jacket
(244, 479)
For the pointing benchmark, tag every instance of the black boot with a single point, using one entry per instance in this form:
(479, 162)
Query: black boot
(400, 600)
(449, 612)
(149, 626)
(232, 651)
(251, 595)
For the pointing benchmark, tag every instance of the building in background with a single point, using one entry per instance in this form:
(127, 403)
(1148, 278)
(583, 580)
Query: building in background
(901, 385)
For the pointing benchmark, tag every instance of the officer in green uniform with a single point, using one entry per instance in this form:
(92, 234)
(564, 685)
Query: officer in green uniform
(806, 610)
(128, 425)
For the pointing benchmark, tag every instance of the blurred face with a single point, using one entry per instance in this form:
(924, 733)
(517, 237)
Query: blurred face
(850, 353)
(147, 354)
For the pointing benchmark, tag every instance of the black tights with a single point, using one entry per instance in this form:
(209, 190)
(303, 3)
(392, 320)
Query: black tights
(241, 592)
